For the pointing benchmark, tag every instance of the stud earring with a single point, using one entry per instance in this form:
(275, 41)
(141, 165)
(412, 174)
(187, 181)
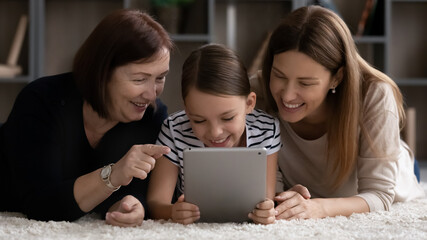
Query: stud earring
(333, 90)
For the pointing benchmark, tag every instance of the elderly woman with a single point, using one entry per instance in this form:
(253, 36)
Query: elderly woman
(82, 141)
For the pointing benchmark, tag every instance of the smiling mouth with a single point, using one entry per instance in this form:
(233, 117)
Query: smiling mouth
(292, 106)
(140, 105)
(219, 141)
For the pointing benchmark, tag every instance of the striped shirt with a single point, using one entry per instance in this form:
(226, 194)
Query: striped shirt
(262, 130)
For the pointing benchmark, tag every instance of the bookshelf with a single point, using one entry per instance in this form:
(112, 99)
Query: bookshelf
(398, 48)
(56, 28)
(407, 51)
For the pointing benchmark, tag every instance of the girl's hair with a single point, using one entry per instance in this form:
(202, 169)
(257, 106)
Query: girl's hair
(122, 37)
(214, 69)
(322, 35)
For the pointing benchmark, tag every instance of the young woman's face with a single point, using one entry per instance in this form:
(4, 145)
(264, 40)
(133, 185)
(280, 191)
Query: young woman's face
(299, 86)
(133, 87)
(218, 121)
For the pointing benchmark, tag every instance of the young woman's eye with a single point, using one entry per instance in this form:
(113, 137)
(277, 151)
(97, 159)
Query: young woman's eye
(278, 76)
(305, 84)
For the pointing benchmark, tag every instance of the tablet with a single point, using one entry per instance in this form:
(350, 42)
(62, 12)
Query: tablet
(225, 183)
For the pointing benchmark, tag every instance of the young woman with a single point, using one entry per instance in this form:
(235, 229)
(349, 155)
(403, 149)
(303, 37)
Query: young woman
(340, 121)
(219, 112)
(73, 139)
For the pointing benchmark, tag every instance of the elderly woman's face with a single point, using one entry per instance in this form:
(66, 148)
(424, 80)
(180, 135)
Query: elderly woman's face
(133, 87)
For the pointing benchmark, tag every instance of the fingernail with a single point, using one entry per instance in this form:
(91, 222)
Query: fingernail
(276, 212)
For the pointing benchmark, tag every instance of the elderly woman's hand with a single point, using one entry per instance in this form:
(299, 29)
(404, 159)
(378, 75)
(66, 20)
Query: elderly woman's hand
(137, 162)
(128, 212)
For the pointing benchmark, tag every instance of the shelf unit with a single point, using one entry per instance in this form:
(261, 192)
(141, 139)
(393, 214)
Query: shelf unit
(407, 49)
(399, 51)
(58, 27)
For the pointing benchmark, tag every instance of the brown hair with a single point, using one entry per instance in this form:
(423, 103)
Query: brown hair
(322, 35)
(214, 69)
(122, 37)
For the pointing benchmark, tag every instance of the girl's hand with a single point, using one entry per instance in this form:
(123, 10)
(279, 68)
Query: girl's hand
(137, 162)
(185, 213)
(264, 212)
(128, 212)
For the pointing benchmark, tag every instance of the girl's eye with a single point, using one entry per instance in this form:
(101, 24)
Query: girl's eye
(228, 119)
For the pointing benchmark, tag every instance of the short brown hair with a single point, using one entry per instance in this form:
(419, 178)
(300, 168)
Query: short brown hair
(122, 37)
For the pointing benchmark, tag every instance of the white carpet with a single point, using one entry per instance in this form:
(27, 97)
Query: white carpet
(403, 221)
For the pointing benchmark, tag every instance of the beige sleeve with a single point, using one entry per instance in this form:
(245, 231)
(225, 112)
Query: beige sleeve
(379, 148)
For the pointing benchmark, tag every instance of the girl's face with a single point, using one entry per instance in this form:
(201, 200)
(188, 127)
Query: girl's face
(299, 86)
(134, 86)
(218, 121)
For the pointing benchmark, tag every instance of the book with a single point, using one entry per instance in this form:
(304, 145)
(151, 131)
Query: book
(372, 19)
(11, 68)
(364, 18)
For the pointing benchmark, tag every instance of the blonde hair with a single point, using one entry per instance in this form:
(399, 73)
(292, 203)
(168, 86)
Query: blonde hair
(322, 35)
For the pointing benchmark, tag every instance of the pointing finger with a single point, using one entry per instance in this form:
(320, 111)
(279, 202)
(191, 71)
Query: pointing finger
(154, 151)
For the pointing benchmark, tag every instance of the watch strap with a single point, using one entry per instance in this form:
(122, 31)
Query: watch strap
(108, 180)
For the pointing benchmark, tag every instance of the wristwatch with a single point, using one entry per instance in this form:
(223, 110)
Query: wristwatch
(105, 176)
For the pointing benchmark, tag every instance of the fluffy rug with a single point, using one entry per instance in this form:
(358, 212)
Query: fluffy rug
(403, 221)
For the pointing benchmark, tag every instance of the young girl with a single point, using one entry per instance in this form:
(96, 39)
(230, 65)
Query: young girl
(340, 121)
(219, 112)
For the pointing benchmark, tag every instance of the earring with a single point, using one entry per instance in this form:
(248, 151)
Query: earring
(333, 90)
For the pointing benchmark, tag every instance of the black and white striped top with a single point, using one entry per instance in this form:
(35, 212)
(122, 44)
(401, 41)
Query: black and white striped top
(262, 130)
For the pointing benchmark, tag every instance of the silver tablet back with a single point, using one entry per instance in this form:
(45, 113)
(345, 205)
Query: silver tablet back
(225, 183)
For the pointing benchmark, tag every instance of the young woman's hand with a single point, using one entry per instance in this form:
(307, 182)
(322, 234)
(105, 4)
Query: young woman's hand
(128, 212)
(264, 212)
(296, 204)
(296, 192)
(300, 209)
(137, 162)
(185, 213)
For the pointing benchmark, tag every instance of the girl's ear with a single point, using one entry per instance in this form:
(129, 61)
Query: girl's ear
(250, 102)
